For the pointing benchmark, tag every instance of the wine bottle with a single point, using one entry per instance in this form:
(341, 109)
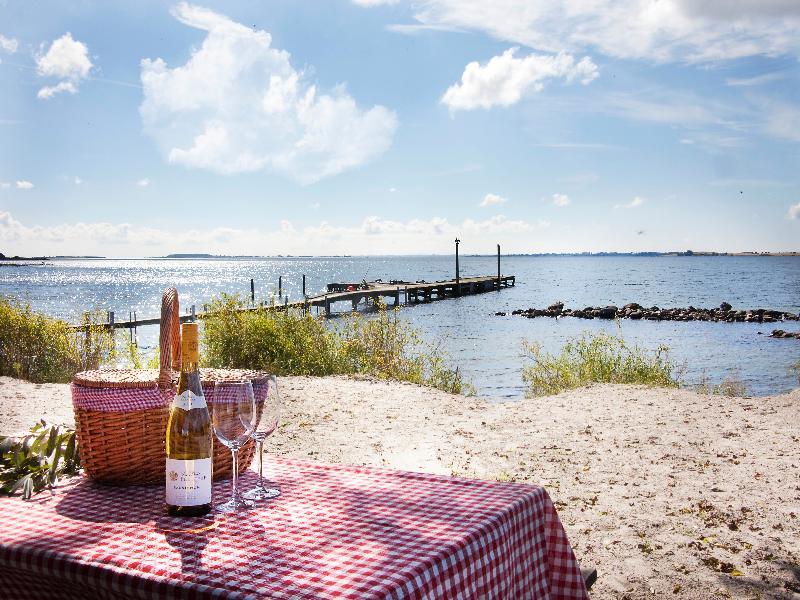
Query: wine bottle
(189, 437)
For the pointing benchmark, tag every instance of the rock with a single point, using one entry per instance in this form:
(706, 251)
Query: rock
(636, 314)
(631, 306)
(556, 307)
(725, 307)
(500, 314)
(609, 312)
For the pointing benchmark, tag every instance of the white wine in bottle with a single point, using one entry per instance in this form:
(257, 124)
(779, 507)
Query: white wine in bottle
(189, 437)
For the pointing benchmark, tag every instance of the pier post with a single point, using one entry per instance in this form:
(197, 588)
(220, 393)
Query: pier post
(304, 285)
(252, 292)
(458, 286)
(280, 286)
(130, 325)
(194, 314)
(397, 297)
(327, 307)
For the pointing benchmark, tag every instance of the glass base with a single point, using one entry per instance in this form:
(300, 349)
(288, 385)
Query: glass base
(262, 493)
(233, 505)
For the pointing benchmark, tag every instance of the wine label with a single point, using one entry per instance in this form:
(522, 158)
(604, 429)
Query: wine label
(188, 400)
(188, 482)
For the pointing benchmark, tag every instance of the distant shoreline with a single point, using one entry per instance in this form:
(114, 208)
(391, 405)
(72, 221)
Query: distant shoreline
(688, 253)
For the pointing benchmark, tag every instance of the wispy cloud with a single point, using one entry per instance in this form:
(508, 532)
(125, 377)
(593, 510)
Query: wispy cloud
(635, 203)
(24, 184)
(794, 211)
(757, 80)
(144, 182)
(561, 200)
(581, 146)
(663, 32)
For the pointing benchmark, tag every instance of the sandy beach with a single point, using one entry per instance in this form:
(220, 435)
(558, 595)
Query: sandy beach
(666, 492)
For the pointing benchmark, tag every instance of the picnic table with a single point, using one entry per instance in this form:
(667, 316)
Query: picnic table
(335, 532)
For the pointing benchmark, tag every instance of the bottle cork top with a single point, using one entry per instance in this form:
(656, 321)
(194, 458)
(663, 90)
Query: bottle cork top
(190, 350)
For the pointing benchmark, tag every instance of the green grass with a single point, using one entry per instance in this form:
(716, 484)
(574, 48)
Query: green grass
(290, 343)
(598, 358)
(41, 349)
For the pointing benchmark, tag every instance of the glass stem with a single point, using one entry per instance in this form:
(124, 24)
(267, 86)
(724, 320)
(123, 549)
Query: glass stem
(234, 480)
(260, 464)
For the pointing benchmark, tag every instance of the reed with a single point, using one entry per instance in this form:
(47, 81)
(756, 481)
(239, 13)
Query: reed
(42, 349)
(598, 358)
(292, 343)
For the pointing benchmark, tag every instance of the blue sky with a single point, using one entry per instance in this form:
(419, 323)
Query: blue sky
(374, 127)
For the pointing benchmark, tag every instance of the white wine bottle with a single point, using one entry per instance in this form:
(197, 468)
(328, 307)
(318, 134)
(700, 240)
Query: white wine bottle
(189, 437)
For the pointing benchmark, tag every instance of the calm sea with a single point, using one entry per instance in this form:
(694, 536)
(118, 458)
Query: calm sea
(485, 347)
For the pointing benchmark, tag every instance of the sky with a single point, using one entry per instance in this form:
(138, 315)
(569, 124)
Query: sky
(392, 127)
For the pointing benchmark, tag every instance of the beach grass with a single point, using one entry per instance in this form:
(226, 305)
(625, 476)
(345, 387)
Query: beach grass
(292, 343)
(595, 358)
(42, 349)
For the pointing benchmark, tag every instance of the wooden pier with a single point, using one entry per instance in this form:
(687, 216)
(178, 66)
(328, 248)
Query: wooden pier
(395, 293)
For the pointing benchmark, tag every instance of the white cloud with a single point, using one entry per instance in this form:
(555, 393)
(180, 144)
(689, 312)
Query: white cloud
(77, 180)
(393, 189)
(636, 202)
(492, 200)
(238, 105)
(24, 185)
(663, 31)
(7, 44)
(505, 79)
(316, 205)
(4, 185)
(561, 200)
(66, 59)
(49, 91)
(144, 182)
(382, 236)
(794, 211)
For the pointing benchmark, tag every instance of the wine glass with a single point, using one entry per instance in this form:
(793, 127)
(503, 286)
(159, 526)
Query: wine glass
(265, 421)
(232, 418)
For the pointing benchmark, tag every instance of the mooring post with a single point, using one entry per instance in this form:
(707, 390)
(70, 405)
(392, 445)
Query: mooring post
(458, 285)
(111, 319)
(194, 315)
(327, 306)
(397, 297)
(130, 326)
(135, 329)
(498, 266)
(304, 285)
(252, 292)
(87, 339)
(280, 286)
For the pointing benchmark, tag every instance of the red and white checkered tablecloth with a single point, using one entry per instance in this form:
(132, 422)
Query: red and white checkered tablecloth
(335, 532)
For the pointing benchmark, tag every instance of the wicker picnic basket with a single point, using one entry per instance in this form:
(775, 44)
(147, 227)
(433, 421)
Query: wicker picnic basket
(121, 414)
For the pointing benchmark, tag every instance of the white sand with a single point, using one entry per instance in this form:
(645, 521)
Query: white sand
(659, 489)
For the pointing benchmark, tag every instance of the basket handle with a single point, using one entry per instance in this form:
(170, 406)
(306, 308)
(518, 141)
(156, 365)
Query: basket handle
(170, 338)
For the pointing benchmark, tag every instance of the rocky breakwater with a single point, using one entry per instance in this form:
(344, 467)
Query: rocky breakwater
(725, 313)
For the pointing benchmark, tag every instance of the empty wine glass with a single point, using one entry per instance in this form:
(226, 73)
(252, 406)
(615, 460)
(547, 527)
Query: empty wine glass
(265, 421)
(232, 418)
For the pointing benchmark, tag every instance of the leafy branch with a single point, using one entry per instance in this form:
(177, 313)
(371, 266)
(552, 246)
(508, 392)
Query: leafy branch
(37, 460)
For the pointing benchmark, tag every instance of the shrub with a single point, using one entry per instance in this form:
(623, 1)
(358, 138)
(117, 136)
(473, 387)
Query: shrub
(731, 386)
(599, 358)
(291, 343)
(35, 461)
(41, 349)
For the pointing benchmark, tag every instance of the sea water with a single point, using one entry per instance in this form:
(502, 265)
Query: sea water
(486, 348)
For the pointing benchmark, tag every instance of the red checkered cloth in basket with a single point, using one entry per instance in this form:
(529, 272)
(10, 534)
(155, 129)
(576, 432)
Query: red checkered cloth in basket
(133, 399)
(335, 532)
